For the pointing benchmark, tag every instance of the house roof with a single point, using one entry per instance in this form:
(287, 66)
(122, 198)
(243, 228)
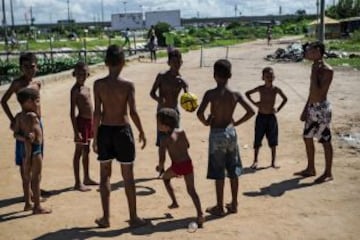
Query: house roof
(350, 19)
(327, 20)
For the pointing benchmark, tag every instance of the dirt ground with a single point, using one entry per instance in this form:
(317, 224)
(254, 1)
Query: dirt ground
(273, 204)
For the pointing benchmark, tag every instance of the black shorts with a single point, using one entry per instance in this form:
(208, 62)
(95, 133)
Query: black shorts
(116, 142)
(266, 124)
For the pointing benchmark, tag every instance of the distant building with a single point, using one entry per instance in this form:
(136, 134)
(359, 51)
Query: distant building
(121, 21)
(171, 17)
(350, 25)
(332, 28)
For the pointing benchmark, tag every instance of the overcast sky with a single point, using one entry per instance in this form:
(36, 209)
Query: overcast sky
(91, 10)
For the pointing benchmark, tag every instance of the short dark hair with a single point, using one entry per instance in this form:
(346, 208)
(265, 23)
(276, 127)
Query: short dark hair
(317, 44)
(174, 53)
(27, 93)
(222, 68)
(81, 65)
(267, 70)
(27, 57)
(168, 117)
(114, 55)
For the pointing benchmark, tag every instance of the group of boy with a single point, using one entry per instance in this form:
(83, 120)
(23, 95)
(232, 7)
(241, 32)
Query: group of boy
(113, 136)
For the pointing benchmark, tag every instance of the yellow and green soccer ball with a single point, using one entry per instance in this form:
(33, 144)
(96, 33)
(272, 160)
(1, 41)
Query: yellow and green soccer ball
(189, 102)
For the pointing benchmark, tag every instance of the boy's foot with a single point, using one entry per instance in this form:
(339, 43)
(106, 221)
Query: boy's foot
(305, 173)
(45, 193)
(28, 207)
(200, 221)
(102, 223)
(173, 205)
(138, 222)
(275, 166)
(231, 208)
(216, 211)
(90, 182)
(41, 210)
(254, 165)
(42, 199)
(324, 178)
(81, 188)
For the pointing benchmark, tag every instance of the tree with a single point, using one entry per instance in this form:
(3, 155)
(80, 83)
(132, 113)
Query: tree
(344, 9)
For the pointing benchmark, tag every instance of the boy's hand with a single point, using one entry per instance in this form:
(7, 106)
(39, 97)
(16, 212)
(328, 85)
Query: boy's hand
(30, 136)
(12, 126)
(142, 139)
(78, 137)
(160, 170)
(303, 116)
(94, 146)
(209, 119)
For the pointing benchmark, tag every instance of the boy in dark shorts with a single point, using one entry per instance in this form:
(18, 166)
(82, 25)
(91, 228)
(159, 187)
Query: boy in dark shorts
(266, 122)
(223, 146)
(317, 112)
(177, 144)
(28, 123)
(114, 102)
(80, 99)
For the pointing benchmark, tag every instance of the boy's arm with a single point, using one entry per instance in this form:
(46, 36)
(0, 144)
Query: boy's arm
(97, 114)
(4, 102)
(73, 96)
(249, 111)
(162, 157)
(186, 140)
(284, 99)
(249, 93)
(135, 116)
(200, 112)
(185, 86)
(154, 88)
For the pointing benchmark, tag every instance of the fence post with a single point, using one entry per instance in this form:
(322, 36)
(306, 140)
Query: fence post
(85, 51)
(227, 52)
(51, 53)
(201, 55)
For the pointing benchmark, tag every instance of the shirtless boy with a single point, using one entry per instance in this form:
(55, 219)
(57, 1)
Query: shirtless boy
(80, 99)
(317, 112)
(223, 146)
(177, 144)
(266, 122)
(114, 101)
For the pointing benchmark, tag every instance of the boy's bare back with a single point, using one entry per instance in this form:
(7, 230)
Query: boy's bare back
(114, 96)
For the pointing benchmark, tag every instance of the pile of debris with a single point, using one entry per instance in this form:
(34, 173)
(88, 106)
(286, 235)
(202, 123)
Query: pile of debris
(293, 53)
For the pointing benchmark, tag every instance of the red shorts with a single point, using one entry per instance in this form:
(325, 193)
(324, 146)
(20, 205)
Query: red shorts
(85, 127)
(182, 168)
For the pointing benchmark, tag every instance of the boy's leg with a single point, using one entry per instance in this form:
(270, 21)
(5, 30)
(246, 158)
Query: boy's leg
(167, 177)
(273, 158)
(327, 175)
(25, 177)
(256, 153)
(128, 177)
(234, 184)
(190, 187)
(36, 167)
(85, 159)
(76, 163)
(310, 153)
(105, 174)
(218, 210)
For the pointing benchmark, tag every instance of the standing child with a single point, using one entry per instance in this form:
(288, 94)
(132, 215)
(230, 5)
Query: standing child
(266, 122)
(28, 122)
(114, 102)
(28, 67)
(176, 143)
(317, 112)
(82, 125)
(223, 146)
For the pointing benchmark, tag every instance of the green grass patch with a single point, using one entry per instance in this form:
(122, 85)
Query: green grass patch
(344, 45)
(345, 62)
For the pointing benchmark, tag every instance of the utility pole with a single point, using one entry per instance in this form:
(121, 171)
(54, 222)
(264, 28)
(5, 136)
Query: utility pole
(12, 14)
(322, 22)
(68, 10)
(4, 24)
(235, 9)
(125, 2)
(102, 10)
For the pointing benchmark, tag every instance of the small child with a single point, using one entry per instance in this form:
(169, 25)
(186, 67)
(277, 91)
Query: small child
(82, 125)
(266, 122)
(176, 143)
(29, 125)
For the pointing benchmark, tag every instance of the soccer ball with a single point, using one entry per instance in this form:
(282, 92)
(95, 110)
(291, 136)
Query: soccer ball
(189, 102)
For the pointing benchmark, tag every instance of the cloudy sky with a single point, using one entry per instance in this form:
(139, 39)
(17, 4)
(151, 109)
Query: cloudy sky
(45, 11)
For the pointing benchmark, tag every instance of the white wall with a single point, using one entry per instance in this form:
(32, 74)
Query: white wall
(121, 21)
(171, 17)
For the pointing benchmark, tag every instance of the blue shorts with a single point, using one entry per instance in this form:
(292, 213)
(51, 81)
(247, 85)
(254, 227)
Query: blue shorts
(19, 152)
(266, 124)
(223, 154)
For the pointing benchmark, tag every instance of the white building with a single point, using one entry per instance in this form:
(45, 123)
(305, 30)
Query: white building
(121, 21)
(172, 17)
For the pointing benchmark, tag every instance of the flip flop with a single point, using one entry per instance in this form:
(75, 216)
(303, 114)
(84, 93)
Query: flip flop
(140, 222)
(101, 223)
(305, 173)
(215, 211)
(230, 208)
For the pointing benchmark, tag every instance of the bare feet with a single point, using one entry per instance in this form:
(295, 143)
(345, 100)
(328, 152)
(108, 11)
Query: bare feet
(275, 166)
(137, 222)
(41, 210)
(173, 205)
(102, 223)
(306, 173)
(81, 188)
(90, 182)
(231, 208)
(324, 178)
(45, 193)
(216, 211)
(200, 221)
(28, 207)
(254, 165)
